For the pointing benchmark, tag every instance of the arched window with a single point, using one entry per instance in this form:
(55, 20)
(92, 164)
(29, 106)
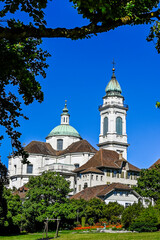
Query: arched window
(85, 185)
(105, 126)
(119, 125)
(60, 144)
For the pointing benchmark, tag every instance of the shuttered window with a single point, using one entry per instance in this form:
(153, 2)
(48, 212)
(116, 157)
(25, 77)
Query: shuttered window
(119, 125)
(105, 126)
(60, 144)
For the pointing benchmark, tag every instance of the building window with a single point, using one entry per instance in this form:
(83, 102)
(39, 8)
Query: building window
(108, 183)
(76, 165)
(127, 204)
(105, 126)
(29, 168)
(115, 193)
(96, 177)
(119, 125)
(122, 174)
(79, 187)
(92, 177)
(108, 173)
(117, 174)
(85, 185)
(60, 144)
(101, 178)
(128, 175)
(15, 169)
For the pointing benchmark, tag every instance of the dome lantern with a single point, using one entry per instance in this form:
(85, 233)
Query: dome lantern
(65, 115)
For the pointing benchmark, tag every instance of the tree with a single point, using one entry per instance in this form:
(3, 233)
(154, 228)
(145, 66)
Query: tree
(131, 213)
(148, 184)
(147, 221)
(113, 211)
(47, 197)
(10, 221)
(95, 209)
(22, 60)
(103, 15)
(3, 205)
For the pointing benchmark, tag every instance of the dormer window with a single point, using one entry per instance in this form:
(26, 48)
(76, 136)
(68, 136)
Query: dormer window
(59, 144)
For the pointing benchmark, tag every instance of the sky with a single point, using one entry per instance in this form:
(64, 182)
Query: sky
(79, 72)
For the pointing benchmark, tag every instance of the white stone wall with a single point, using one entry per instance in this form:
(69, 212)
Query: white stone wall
(18, 171)
(94, 179)
(63, 164)
(122, 197)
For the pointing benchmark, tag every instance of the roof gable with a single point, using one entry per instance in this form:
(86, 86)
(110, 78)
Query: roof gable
(106, 158)
(154, 164)
(100, 191)
(40, 148)
(79, 146)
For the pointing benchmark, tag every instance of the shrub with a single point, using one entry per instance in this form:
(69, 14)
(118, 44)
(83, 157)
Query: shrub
(91, 221)
(130, 214)
(147, 221)
(83, 220)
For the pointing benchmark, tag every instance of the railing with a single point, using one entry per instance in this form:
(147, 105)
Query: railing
(124, 105)
(58, 167)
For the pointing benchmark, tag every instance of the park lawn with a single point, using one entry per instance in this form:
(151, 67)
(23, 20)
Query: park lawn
(71, 235)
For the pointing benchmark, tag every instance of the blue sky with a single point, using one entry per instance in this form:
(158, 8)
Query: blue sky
(79, 72)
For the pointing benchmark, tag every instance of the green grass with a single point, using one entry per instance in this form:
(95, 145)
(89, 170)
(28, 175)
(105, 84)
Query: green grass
(71, 235)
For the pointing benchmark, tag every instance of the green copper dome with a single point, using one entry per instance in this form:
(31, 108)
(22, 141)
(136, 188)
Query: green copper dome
(64, 130)
(113, 87)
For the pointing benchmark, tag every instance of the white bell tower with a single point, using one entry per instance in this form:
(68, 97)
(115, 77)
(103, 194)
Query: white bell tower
(113, 113)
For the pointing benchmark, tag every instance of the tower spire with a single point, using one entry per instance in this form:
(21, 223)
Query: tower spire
(113, 134)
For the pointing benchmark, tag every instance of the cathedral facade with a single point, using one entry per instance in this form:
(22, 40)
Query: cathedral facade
(67, 153)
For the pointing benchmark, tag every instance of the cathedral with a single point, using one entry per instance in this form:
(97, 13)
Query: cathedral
(66, 153)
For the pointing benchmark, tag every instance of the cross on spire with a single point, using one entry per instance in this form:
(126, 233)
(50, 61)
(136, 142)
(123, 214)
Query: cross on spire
(113, 62)
(65, 103)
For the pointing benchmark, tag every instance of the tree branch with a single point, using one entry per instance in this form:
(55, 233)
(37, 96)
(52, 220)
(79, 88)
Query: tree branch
(75, 33)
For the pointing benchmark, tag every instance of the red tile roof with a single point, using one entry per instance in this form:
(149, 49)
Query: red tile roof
(154, 164)
(89, 193)
(100, 190)
(105, 158)
(113, 186)
(92, 170)
(40, 148)
(46, 149)
(21, 192)
(79, 146)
